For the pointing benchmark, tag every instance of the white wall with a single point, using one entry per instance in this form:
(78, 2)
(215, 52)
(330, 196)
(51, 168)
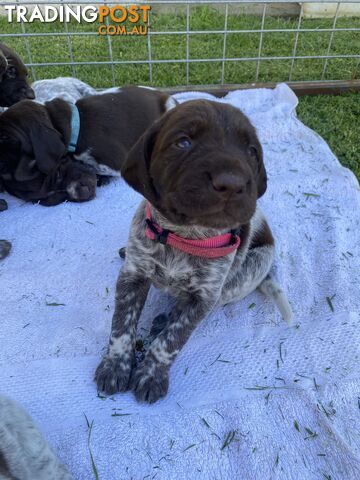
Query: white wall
(317, 10)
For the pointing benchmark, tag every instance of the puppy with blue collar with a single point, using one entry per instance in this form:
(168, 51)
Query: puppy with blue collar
(14, 87)
(56, 152)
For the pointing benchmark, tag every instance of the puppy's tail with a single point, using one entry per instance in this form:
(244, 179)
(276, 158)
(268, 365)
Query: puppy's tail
(272, 290)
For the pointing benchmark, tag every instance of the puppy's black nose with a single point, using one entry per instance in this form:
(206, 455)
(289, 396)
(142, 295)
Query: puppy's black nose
(227, 183)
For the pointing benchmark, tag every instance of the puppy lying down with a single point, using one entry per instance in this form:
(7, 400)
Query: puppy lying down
(198, 235)
(54, 152)
(14, 87)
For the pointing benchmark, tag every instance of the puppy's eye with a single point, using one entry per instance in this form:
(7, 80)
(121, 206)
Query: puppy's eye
(252, 151)
(184, 143)
(11, 72)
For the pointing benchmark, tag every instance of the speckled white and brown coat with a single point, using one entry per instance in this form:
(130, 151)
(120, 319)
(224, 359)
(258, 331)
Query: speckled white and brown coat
(198, 284)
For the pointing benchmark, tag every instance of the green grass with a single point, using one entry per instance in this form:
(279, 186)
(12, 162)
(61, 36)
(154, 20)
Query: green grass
(204, 46)
(335, 118)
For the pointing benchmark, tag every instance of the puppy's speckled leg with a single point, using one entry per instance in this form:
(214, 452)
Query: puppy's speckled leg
(150, 380)
(247, 273)
(113, 373)
(244, 280)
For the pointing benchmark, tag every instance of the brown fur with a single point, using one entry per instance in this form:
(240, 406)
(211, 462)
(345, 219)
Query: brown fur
(34, 142)
(213, 183)
(262, 237)
(14, 85)
(201, 168)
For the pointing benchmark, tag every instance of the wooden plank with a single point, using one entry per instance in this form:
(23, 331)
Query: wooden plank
(300, 88)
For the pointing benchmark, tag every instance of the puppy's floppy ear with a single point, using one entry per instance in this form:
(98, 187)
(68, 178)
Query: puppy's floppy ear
(26, 169)
(261, 177)
(48, 147)
(136, 168)
(3, 64)
(10, 146)
(261, 172)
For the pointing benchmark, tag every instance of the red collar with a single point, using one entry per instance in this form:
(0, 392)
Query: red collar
(213, 247)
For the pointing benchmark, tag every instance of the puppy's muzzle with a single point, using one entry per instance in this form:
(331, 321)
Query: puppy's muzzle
(226, 184)
(81, 191)
(27, 92)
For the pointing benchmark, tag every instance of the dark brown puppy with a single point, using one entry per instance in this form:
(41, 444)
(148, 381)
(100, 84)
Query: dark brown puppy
(206, 166)
(13, 88)
(34, 142)
(201, 168)
(70, 181)
(14, 85)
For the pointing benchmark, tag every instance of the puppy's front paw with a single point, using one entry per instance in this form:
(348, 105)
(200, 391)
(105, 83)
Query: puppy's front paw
(112, 375)
(149, 382)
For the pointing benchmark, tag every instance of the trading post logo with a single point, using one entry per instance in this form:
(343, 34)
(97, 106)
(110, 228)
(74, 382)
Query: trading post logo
(117, 20)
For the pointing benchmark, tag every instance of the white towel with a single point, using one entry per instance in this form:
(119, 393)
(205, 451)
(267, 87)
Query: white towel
(250, 397)
(68, 88)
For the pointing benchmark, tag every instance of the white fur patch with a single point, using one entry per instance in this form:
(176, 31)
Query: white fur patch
(158, 349)
(121, 345)
(272, 290)
(170, 103)
(257, 221)
(98, 168)
(71, 190)
(147, 88)
(109, 90)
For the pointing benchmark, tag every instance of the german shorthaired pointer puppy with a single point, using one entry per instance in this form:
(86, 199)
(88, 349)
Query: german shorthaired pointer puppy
(198, 235)
(14, 85)
(24, 453)
(54, 152)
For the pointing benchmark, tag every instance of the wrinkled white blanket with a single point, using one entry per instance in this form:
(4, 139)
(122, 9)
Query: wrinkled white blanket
(250, 397)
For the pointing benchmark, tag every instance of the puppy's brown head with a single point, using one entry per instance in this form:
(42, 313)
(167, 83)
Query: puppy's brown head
(200, 164)
(14, 85)
(72, 182)
(28, 138)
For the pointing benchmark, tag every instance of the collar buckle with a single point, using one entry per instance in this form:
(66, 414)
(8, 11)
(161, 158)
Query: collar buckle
(213, 247)
(234, 236)
(161, 236)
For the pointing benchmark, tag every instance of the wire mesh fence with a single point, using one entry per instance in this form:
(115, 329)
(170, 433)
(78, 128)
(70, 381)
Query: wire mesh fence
(200, 42)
